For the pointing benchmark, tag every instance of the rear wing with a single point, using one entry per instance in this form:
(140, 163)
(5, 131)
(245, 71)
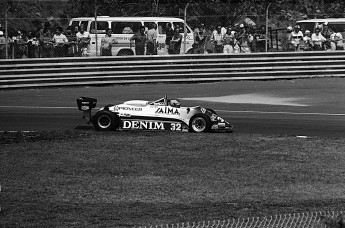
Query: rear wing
(86, 104)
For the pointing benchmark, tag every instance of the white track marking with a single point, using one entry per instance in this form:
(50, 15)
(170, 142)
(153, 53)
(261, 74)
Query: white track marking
(37, 107)
(253, 98)
(18, 131)
(285, 113)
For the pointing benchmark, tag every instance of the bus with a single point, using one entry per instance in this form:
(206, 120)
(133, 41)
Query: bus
(123, 29)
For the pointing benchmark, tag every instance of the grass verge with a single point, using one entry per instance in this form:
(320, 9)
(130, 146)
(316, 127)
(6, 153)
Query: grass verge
(125, 179)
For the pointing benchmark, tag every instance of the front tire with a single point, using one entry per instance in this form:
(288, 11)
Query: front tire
(105, 121)
(200, 123)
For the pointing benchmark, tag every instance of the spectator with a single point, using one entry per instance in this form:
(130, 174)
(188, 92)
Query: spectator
(151, 40)
(140, 40)
(224, 30)
(156, 46)
(83, 39)
(45, 28)
(203, 38)
(20, 45)
(39, 32)
(169, 32)
(2, 45)
(288, 39)
(196, 34)
(229, 41)
(326, 32)
(199, 39)
(71, 47)
(337, 41)
(107, 43)
(317, 40)
(308, 45)
(76, 30)
(209, 45)
(217, 39)
(33, 46)
(296, 37)
(175, 43)
(47, 48)
(237, 47)
(245, 43)
(59, 40)
(241, 32)
(239, 35)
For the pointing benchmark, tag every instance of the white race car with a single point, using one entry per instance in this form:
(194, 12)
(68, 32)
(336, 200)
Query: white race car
(162, 114)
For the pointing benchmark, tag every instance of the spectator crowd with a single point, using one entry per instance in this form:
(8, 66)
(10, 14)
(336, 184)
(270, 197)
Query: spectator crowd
(322, 38)
(245, 39)
(227, 40)
(75, 41)
(46, 44)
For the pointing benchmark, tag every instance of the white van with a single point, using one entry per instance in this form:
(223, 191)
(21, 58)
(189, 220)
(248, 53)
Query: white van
(336, 24)
(123, 29)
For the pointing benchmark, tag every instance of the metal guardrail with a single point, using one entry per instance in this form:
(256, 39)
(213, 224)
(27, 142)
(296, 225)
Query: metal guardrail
(57, 72)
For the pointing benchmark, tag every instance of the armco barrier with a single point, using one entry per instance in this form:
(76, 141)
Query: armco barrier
(53, 72)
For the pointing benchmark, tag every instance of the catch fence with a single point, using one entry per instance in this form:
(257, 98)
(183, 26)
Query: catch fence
(29, 43)
(324, 219)
(35, 49)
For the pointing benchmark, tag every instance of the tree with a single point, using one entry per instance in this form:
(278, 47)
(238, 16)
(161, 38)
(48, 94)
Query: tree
(29, 15)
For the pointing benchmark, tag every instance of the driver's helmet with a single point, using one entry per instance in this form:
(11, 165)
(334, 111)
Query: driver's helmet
(175, 103)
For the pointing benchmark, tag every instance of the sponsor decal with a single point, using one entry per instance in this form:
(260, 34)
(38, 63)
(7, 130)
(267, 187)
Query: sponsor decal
(143, 125)
(203, 110)
(124, 115)
(155, 104)
(176, 127)
(168, 111)
(84, 107)
(129, 109)
(122, 38)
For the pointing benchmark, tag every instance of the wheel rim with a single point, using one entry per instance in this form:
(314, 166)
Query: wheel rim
(104, 121)
(199, 124)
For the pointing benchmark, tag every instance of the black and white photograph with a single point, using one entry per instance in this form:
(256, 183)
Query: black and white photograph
(172, 114)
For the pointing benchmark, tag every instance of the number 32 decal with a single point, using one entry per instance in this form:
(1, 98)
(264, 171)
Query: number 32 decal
(176, 127)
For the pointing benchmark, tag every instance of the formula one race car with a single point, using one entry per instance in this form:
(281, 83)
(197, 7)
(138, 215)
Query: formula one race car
(162, 114)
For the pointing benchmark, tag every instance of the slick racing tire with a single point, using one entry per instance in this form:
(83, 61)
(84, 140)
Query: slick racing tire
(105, 121)
(200, 123)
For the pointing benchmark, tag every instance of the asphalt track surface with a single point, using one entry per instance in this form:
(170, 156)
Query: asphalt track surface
(305, 107)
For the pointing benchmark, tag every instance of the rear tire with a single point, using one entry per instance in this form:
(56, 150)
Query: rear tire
(200, 123)
(105, 121)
